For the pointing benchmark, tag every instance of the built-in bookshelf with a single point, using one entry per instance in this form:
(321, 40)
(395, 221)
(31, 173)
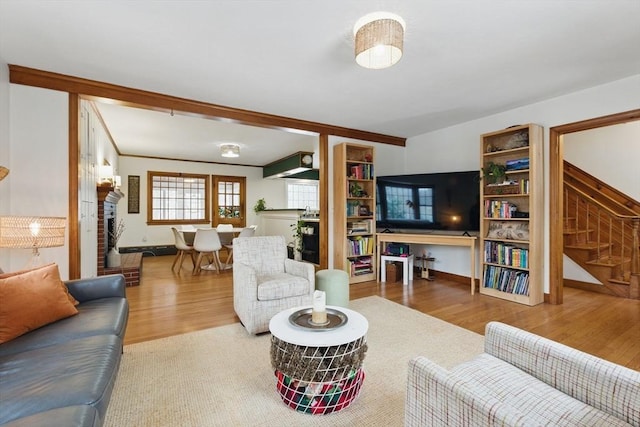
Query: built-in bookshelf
(354, 211)
(511, 214)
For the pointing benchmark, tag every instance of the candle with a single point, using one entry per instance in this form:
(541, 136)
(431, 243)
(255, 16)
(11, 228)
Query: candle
(319, 310)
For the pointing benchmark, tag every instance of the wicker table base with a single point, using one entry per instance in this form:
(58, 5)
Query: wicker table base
(320, 371)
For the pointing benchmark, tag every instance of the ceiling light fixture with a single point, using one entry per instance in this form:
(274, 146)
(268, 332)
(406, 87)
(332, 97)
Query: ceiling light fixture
(230, 150)
(379, 40)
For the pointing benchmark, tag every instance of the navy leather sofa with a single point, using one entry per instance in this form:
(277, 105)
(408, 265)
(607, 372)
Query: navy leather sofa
(62, 374)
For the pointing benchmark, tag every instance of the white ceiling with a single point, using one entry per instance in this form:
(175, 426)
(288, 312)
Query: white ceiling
(462, 60)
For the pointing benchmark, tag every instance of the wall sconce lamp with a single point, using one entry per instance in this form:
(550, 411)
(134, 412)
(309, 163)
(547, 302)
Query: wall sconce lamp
(379, 39)
(32, 232)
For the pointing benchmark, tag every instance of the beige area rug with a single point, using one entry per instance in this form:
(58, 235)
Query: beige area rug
(223, 376)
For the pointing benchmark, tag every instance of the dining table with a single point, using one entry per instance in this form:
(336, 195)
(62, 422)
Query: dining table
(190, 235)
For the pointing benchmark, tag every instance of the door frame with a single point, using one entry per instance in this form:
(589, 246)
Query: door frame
(242, 221)
(556, 184)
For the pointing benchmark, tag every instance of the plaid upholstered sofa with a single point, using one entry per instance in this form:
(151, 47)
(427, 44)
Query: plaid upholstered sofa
(522, 380)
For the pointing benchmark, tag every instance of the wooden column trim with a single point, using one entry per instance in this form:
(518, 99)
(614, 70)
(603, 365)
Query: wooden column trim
(324, 200)
(74, 221)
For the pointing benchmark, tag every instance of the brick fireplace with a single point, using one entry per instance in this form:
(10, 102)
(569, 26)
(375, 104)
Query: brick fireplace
(131, 264)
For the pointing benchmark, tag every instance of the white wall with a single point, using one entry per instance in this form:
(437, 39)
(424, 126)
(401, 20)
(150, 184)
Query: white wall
(457, 147)
(38, 159)
(606, 152)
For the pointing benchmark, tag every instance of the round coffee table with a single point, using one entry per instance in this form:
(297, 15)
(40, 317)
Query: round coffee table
(318, 370)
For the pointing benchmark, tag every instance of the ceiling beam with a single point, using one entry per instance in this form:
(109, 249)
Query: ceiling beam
(157, 101)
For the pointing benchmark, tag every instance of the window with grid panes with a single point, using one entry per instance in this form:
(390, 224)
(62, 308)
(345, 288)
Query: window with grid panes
(302, 195)
(176, 198)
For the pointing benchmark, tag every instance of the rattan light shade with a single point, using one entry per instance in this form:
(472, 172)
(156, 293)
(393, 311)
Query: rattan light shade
(32, 231)
(379, 39)
(3, 172)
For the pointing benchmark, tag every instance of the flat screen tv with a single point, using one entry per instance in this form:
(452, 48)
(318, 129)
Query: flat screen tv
(448, 201)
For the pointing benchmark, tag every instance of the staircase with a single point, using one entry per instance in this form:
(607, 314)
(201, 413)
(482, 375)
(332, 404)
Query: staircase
(601, 232)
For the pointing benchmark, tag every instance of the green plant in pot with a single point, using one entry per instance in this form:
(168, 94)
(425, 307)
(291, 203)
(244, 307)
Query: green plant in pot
(494, 173)
(297, 234)
(260, 205)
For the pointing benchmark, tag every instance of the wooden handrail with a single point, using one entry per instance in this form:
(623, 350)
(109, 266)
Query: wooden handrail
(632, 221)
(595, 202)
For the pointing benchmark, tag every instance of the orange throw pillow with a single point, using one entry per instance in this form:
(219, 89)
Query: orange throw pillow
(48, 268)
(31, 299)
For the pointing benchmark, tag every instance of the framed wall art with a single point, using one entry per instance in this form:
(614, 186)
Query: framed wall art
(133, 197)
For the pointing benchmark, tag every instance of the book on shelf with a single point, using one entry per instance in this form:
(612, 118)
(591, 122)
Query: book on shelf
(506, 280)
(505, 254)
(361, 266)
(360, 245)
(499, 209)
(364, 171)
(517, 164)
(358, 227)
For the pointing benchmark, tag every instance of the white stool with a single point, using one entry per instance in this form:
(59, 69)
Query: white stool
(407, 267)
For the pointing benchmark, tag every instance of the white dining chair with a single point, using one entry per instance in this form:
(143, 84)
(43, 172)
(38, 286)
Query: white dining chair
(207, 243)
(182, 247)
(246, 232)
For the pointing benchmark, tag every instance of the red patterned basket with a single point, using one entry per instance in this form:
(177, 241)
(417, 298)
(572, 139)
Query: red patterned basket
(319, 398)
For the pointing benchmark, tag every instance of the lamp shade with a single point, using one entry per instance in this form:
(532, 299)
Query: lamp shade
(32, 231)
(379, 39)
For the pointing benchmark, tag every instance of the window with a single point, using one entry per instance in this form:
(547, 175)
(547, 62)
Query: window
(302, 195)
(407, 203)
(177, 198)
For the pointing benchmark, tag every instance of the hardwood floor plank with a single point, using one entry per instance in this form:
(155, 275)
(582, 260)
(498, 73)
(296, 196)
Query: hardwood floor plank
(168, 303)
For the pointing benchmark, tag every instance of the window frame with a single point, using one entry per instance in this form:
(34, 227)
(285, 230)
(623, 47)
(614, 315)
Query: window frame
(313, 183)
(207, 198)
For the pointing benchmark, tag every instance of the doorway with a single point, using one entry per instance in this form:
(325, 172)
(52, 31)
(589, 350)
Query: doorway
(229, 204)
(556, 179)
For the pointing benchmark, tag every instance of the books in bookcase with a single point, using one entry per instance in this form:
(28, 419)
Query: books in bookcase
(505, 254)
(358, 227)
(360, 245)
(360, 266)
(363, 171)
(506, 280)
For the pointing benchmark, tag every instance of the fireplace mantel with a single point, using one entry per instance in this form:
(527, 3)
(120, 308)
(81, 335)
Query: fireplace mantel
(109, 194)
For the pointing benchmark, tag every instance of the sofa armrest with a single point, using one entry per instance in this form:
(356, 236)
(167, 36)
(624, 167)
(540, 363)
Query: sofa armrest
(301, 269)
(436, 397)
(611, 388)
(109, 286)
(245, 282)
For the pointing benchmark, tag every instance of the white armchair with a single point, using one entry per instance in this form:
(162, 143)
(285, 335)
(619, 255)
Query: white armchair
(266, 282)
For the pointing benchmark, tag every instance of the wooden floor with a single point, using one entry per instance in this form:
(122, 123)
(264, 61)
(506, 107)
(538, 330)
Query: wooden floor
(168, 303)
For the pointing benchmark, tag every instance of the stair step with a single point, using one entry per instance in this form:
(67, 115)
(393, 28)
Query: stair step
(608, 261)
(620, 282)
(588, 246)
(574, 231)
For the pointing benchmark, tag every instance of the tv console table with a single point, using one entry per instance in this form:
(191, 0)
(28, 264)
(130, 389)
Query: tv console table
(430, 239)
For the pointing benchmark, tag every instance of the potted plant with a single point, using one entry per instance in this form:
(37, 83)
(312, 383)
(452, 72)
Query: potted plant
(297, 239)
(494, 173)
(260, 205)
